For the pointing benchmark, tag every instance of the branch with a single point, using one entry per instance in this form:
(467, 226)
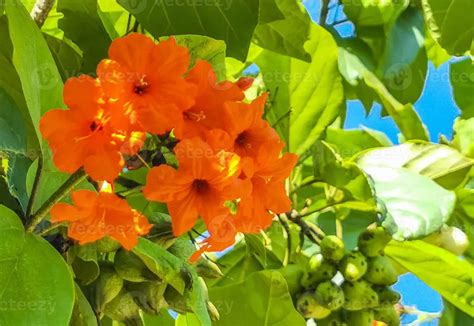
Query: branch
(40, 11)
(324, 12)
(43, 211)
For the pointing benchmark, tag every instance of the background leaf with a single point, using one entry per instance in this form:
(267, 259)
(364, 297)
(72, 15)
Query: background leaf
(305, 97)
(272, 306)
(33, 277)
(408, 198)
(221, 20)
(450, 23)
(287, 35)
(81, 24)
(461, 75)
(448, 274)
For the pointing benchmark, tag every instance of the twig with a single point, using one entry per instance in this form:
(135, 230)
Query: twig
(40, 11)
(324, 12)
(70, 184)
(34, 190)
(286, 226)
(50, 228)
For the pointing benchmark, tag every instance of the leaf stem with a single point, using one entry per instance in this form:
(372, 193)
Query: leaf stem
(34, 190)
(43, 211)
(324, 12)
(41, 10)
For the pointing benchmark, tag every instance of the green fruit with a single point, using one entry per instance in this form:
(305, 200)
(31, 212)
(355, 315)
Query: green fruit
(360, 317)
(148, 295)
(208, 269)
(388, 315)
(123, 308)
(319, 270)
(387, 296)
(353, 266)
(332, 248)
(308, 305)
(107, 286)
(334, 319)
(373, 241)
(359, 295)
(330, 295)
(380, 271)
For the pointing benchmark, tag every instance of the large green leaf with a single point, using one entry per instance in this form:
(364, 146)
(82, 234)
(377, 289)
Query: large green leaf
(404, 63)
(373, 12)
(357, 66)
(263, 299)
(114, 17)
(221, 20)
(40, 78)
(435, 53)
(82, 315)
(461, 75)
(36, 284)
(67, 58)
(408, 198)
(448, 274)
(451, 24)
(350, 142)
(442, 163)
(452, 316)
(288, 35)
(81, 24)
(312, 92)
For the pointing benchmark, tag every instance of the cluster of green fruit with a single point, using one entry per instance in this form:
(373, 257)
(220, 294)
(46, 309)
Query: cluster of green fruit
(364, 276)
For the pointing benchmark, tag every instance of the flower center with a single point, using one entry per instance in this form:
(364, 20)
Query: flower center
(200, 185)
(242, 139)
(96, 126)
(141, 87)
(194, 116)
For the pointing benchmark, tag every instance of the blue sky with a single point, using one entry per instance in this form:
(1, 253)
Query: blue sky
(437, 110)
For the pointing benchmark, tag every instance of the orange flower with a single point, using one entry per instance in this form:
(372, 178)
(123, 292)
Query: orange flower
(148, 78)
(268, 196)
(247, 129)
(204, 181)
(207, 111)
(96, 215)
(92, 133)
(222, 233)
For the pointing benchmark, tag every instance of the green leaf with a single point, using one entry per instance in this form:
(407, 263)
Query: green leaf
(461, 75)
(206, 48)
(269, 11)
(450, 23)
(217, 19)
(312, 91)
(435, 53)
(347, 176)
(452, 316)
(440, 163)
(114, 17)
(67, 59)
(464, 136)
(350, 142)
(357, 66)
(404, 63)
(163, 319)
(408, 199)
(81, 24)
(82, 315)
(404, 116)
(35, 281)
(287, 35)
(373, 12)
(164, 264)
(263, 299)
(84, 262)
(446, 273)
(40, 78)
(236, 265)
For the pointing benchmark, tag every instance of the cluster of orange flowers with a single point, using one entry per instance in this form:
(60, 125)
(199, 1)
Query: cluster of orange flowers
(231, 172)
